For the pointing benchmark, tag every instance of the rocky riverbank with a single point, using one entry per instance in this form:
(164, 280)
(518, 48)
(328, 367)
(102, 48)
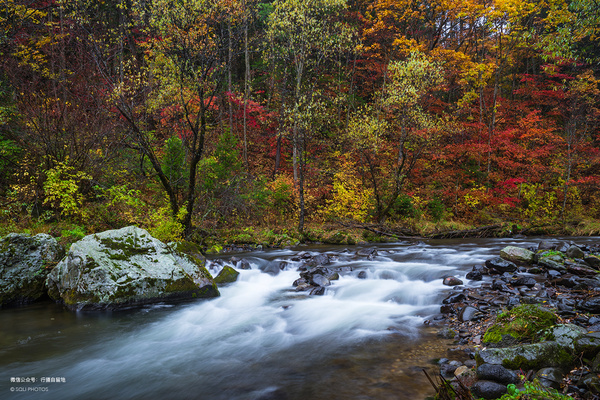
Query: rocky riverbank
(530, 315)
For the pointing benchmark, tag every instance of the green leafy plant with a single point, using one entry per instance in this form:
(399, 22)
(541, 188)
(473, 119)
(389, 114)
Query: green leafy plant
(61, 189)
(533, 391)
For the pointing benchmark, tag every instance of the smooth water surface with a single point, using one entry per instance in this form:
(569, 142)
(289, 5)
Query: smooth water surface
(363, 339)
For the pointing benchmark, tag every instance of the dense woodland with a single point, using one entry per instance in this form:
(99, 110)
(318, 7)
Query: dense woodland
(190, 116)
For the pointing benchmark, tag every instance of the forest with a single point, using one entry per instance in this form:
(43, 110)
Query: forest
(203, 118)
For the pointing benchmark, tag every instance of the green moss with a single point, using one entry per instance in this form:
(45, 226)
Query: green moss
(227, 275)
(181, 285)
(126, 247)
(522, 323)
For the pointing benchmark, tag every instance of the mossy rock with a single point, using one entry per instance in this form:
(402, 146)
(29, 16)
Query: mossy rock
(227, 275)
(523, 323)
(25, 262)
(127, 268)
(530, 356)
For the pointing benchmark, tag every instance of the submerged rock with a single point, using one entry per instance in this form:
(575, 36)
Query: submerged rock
(25, 262)
(127, 268)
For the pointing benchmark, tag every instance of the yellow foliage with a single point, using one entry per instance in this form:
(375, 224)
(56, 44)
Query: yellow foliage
(350, 198)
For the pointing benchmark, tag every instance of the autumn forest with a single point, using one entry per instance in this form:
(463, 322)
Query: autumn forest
(188, 117)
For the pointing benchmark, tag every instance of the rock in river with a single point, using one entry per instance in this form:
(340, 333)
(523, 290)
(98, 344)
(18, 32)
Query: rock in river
(25, 262)
(127, 268)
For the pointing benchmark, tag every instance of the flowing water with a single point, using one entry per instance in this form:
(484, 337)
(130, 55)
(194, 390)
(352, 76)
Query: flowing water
(363, 339)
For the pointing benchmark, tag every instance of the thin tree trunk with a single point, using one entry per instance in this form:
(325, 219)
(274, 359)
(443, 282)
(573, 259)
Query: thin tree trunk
(246, 89)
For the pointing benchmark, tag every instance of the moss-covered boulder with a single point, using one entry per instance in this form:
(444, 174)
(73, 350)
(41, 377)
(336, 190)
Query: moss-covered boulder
(227, 275)
(126, 268)
(523, 323)
(25, 261)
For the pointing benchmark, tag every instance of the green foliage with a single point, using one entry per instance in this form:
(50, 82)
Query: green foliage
(61, 190)
(436, 209)
(75, 233)
(533, 391)
(165, 227)
(174, 163)
(404, 208)
(523, 322)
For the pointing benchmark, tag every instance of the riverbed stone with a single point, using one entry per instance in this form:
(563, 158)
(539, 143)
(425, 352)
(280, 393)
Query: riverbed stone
(126, 268)
(591, 304)
(574, 252)
(500, 265)
(25, 262)
(488, 389)
(593, 261)
(550, 377)
(517, 255)
(452, 281)
(496, 373)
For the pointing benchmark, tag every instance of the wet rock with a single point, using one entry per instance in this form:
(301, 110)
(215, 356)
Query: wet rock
(371, 252)
(446, 333)
(581, 270)
(496, 373)
(362, 275)
(499, 265)
(488, 389)
(447, 369)
(227, 275)
(469, 313)
(452, 281)
(550, 377)
(475, 275)
(574, 252)
(517, 255)
(300, 287)
(553, 274)
(318, 291)
(524, 281)
(454, 298)
(592, 383)
(25, 262)
(553, 245)
(498, 284)
(244, 264)
(592, 261)
(319, 259)
(320, 280)
(271, 268)
(299, 281)
(588, 344)
(592, 305)
(126, 268)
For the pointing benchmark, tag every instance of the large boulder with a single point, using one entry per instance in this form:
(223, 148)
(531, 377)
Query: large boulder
(126, 268)
(25, 261)
(517, 255)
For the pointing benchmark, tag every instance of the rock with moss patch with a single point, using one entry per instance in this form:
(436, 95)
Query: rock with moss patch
(25, 261)
(127, 268)
(529, 356)
(227, 275)
(517, 255)
(522, 322)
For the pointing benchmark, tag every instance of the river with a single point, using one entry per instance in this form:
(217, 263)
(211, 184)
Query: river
(364, 339)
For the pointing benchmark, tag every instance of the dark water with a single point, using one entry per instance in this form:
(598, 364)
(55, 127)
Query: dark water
(364, 339)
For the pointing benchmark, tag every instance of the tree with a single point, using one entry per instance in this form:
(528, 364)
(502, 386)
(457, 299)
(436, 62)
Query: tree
(304, 35)
(405, 127)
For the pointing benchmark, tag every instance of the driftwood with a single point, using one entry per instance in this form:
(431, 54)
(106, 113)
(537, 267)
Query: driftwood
(484, 231)
(377, 229)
